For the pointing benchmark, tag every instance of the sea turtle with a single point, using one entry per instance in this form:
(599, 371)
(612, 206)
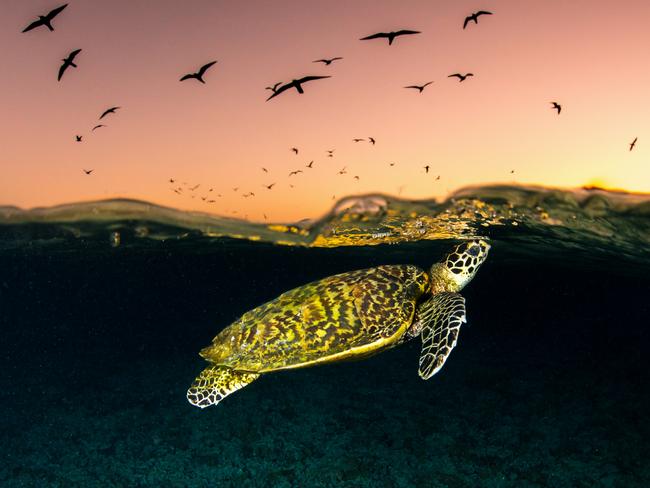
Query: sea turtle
(347, 316)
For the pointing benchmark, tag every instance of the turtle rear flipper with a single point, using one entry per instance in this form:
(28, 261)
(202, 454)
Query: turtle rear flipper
(216, 383)
(442, 315)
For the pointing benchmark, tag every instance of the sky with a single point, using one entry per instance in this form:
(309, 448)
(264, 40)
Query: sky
(589, 56)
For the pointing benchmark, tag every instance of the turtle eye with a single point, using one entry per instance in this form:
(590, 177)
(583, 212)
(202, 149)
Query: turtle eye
(474, 250)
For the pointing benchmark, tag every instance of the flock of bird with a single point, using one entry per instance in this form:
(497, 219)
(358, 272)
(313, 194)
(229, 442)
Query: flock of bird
(276, 90)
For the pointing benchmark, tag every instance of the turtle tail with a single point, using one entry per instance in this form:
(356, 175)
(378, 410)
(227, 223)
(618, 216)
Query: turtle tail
(215, 383)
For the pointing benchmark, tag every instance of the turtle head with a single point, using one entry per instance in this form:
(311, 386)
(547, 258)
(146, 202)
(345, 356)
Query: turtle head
(459, 266)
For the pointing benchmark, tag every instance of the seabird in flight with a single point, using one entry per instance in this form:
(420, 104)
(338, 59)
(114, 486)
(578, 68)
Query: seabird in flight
(297, 84)
(45, 19)
(69, 61)
(389, 35)
(199, 74)
(474, 17)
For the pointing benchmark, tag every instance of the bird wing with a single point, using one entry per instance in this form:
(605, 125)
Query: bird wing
(458, 75)
(33, 25)
(73, 54)
(108, 111)
(483, 12)
(412, 86)
(205, 67)
(310, 78)
(188, 76)
(321, 61)
(405, 32)
(375, 36)
(280, 90)
(336, 58)
(55, 12)
(98, 126)
(62, 69)
(467, 19)
(427, 84)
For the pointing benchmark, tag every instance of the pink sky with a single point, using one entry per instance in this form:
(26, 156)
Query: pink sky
(590, 56)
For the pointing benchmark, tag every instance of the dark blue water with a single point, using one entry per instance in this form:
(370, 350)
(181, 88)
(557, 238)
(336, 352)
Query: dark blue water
(549, 385)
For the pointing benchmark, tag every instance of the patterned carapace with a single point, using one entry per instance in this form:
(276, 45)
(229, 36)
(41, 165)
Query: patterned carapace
(329, 317)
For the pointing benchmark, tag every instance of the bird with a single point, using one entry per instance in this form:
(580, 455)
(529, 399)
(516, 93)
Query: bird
(88, 171)
(78, 138)
(171, 180)
(389, 35)
(342, 171)
(419, 87)
(45, 20)
(274, 87)
(426, 168)
(108, 111)
(330, 153)
(98, 126)
(297, 84)
(437, 177)
(356, 178)
(195, 187)
(391, 164)
(269, 187)
(295, 149)
(235, 188)
(358, 140)
(475, 17)
(199, 74)
(460, 77)
(556, 106)
(633, 143)
(264, 169)
(310, 164)
(327, 61)
(512, 171)
(295, 172)
(69, 61)
(372, 140)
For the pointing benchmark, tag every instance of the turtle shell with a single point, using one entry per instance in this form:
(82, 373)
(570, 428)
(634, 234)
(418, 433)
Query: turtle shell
(345, 316)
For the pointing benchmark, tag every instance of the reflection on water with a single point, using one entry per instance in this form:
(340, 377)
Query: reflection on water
(594, 221)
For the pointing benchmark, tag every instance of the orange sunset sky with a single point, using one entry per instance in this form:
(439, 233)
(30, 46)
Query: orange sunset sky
(590, 56)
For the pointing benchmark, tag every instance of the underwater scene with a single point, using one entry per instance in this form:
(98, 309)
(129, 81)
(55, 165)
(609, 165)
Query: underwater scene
(106, 305)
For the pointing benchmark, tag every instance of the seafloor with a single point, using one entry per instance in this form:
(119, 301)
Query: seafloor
(548, 387)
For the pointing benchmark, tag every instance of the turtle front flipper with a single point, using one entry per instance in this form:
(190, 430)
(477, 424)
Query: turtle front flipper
(216, 383)
(441, 316)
